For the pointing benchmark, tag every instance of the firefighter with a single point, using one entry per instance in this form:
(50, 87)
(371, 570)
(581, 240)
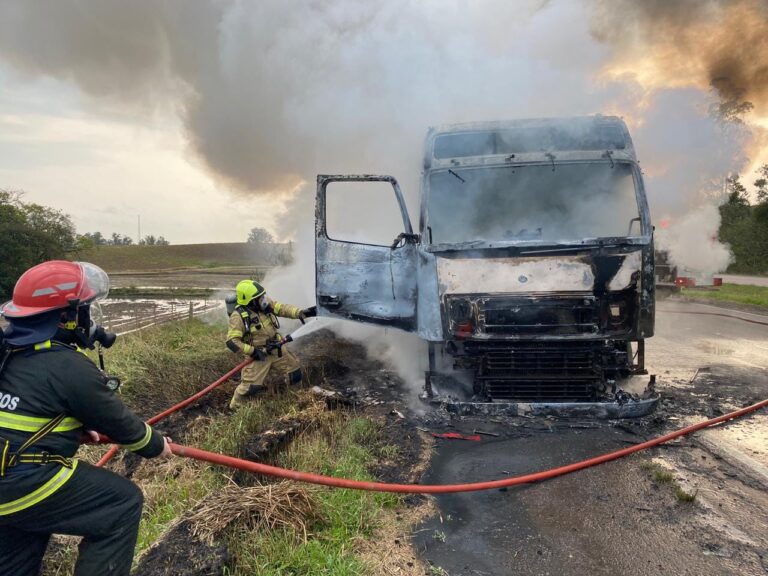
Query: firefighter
(253, 331)
(50, 395)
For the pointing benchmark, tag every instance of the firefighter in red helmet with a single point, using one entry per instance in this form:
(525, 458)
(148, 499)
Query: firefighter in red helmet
(50, 393)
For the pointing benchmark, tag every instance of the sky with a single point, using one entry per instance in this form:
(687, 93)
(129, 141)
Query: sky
(206, 119)
(112, 171)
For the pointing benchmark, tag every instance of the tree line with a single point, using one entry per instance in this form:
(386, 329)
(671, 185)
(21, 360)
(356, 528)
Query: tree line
(744, 224)
(98, 239)
(31, 233)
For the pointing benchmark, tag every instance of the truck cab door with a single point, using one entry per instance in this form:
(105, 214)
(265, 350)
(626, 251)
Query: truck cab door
(367, 282)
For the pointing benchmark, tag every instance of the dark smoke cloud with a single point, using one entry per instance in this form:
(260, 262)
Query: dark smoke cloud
(272, 92)
(133, 52)
(722, 44)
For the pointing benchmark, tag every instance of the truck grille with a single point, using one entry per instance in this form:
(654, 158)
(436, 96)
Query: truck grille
(565, 371)
(529, 316)
(540, 391)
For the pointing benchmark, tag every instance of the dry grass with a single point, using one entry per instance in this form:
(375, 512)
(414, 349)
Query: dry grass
(389, 551)
(91, 453)
(684, 496)
(261, 507)
(61, 556)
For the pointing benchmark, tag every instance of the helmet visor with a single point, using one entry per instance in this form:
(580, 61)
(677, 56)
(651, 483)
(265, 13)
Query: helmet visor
(97, 313)
(96, 285)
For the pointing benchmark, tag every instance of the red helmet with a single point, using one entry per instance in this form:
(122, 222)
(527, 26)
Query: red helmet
(56, 284)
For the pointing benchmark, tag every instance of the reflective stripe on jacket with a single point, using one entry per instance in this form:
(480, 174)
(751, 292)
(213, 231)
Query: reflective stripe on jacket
(262, 327)
(41, 383)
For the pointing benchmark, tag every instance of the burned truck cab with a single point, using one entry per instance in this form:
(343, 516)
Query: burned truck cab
(531, 276)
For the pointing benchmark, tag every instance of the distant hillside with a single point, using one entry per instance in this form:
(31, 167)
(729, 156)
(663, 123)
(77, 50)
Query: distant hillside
(138, 258)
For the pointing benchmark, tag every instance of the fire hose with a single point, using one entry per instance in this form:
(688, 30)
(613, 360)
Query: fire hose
(267, 470)
(183, 404)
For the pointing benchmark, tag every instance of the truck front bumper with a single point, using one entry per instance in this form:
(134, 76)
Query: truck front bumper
(626, 408)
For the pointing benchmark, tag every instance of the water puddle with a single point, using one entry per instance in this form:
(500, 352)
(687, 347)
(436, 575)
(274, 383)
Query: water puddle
(128, 315)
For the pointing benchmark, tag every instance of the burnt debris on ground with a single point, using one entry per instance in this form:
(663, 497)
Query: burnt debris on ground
(351, 383)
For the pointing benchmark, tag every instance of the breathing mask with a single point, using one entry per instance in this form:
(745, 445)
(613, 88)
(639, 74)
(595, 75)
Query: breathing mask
(83, 330)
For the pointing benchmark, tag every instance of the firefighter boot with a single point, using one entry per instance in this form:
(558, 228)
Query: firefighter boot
(241, 398)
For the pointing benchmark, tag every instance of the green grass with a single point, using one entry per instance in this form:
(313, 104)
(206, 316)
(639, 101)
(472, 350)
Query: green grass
(163, 365)
(207, 256)
(739, 293)
(227, 435)
(661, 475)
(389, 451)
(342, 447)
(172, 497)
(658, 472)
(279, 553)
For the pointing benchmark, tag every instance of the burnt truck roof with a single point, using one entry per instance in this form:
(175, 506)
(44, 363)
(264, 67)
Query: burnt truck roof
(530, 140)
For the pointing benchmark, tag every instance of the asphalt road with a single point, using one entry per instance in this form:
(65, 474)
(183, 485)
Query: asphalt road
(623, 517)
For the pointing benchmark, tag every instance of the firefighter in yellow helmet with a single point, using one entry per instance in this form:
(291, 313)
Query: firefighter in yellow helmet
(253, 331)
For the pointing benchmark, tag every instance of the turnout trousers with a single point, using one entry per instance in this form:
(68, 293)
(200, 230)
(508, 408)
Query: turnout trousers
(98, 505)
(252, 376)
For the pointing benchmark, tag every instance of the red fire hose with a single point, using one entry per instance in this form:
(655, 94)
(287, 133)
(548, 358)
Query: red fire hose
(257, 468)
(183, 404)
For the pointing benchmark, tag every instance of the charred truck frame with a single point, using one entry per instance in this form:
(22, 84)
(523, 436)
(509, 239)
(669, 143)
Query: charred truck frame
(531, 277)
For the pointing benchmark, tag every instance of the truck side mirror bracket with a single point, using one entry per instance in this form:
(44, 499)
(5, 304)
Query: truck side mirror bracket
(404, 238)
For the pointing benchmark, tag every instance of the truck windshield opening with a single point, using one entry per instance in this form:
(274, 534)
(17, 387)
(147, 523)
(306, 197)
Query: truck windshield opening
(566, 203)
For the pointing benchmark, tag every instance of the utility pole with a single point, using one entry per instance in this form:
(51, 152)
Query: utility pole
(138, 240)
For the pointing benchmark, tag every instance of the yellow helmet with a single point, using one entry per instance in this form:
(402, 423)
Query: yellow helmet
(247, 291)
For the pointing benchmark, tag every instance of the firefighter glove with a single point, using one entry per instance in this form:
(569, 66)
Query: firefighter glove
(259, 354)
(310, 312)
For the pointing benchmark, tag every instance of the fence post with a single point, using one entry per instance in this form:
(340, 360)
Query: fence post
(191, 310)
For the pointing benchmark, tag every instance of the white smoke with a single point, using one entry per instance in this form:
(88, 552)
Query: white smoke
(404, 353)
(692, 243)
